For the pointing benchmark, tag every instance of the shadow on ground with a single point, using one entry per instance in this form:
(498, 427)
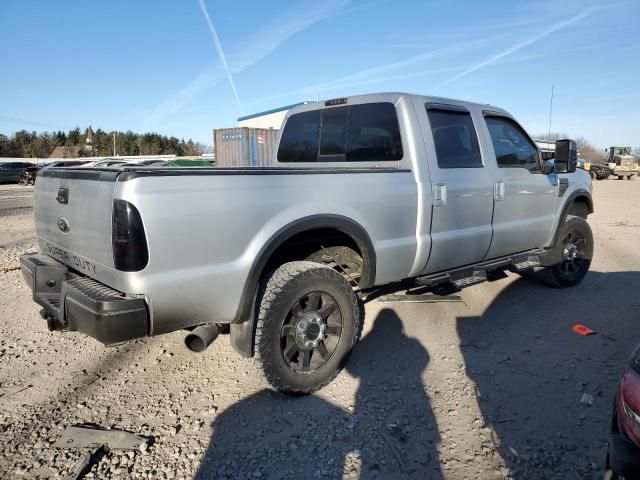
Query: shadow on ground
(531, 370)
(391, 431)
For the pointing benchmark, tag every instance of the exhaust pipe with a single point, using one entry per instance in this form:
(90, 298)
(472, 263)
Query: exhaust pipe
(201, 337)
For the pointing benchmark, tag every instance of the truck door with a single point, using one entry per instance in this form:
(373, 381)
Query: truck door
(525, 198)
(462, 188)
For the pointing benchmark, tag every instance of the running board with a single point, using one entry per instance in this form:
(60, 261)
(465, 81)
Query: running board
(472, 274)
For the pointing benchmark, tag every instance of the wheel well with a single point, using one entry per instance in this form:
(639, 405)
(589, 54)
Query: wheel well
(307, 239)
(322, 245)
(580, 207)
(343, 240)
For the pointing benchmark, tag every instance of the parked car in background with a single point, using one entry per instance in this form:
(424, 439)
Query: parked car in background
(110, 162)
(65, 163)
(30, 173)
(154, 163)
(623, 458)
(104, 163)
(11, 172)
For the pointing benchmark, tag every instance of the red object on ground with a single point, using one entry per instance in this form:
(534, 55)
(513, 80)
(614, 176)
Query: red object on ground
(582, 330)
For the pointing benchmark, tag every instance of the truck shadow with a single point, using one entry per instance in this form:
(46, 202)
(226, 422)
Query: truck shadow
(389, 433)
(531, 370)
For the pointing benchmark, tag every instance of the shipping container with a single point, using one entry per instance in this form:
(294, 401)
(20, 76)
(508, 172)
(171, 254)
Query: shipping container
(244, 147)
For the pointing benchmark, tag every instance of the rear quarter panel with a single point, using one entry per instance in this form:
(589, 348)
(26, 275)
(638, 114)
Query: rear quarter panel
(205, 231)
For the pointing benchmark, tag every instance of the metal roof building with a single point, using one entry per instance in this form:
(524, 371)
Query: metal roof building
(268, 119)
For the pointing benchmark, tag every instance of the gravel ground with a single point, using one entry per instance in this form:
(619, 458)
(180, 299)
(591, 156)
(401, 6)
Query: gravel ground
(489, 387)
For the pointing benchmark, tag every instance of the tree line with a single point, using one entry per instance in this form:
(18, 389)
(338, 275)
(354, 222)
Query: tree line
(33, 144)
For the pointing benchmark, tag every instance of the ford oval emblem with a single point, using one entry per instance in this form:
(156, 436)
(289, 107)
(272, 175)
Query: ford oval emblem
(63, 225)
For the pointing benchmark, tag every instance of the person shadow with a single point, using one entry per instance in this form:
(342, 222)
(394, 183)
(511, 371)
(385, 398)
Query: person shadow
(544, 391)
(389, 431)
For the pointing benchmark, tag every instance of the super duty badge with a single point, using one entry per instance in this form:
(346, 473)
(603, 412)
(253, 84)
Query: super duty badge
(71, 259)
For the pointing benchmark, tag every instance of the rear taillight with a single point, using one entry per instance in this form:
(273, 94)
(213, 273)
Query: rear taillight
(130, 252)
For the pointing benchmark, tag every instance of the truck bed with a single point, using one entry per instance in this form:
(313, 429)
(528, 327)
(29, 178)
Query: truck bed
(206, 226)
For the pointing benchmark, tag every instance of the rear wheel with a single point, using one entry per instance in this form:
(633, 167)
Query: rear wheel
(309, 320)
(620, 177)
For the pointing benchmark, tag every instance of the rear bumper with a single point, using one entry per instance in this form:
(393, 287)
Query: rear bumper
(79, 303)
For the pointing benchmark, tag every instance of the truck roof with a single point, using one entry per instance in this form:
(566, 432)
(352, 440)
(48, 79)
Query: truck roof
(393, 97)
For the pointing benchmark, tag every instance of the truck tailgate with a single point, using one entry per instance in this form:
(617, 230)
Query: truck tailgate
(73, 210)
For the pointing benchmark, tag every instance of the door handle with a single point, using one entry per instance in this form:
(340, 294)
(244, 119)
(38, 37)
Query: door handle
(498, 191)
(439, 195)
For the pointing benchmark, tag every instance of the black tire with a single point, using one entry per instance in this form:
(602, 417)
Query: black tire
(575, 232)
(293, 297)
(620, 177)
(631, 177)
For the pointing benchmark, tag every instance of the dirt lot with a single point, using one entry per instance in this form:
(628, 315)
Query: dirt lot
(489, 387)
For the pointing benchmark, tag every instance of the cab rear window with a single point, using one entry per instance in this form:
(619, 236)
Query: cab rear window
(358, 133)
(300, 138)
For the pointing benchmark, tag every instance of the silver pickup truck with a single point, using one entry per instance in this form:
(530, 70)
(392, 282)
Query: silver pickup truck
(368, 191)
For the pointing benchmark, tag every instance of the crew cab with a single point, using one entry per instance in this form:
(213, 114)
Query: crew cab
(366, 191)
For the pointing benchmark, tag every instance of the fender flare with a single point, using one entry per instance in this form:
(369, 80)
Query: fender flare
(569, 202)
(243, 325)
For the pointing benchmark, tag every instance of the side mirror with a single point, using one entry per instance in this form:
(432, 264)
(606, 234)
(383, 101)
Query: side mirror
(566, 158)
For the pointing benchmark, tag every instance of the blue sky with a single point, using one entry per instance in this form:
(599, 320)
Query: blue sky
(186, 67)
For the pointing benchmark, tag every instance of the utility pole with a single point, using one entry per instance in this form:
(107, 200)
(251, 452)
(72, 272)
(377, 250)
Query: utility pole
(550, 109)
(114, 144)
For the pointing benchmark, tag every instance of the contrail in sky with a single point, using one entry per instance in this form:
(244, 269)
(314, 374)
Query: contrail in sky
(521, 45)
(246, 53)
(223, 58)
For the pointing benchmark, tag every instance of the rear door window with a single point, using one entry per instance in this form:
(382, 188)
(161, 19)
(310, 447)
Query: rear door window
(455, 139)
(358, 133)
(510, 144)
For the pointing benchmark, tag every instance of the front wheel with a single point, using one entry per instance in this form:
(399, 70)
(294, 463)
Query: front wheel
(309, 320)
(631, 177)
(575, 246)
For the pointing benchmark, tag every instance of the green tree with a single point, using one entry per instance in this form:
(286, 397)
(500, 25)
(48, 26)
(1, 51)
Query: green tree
(32, 144)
